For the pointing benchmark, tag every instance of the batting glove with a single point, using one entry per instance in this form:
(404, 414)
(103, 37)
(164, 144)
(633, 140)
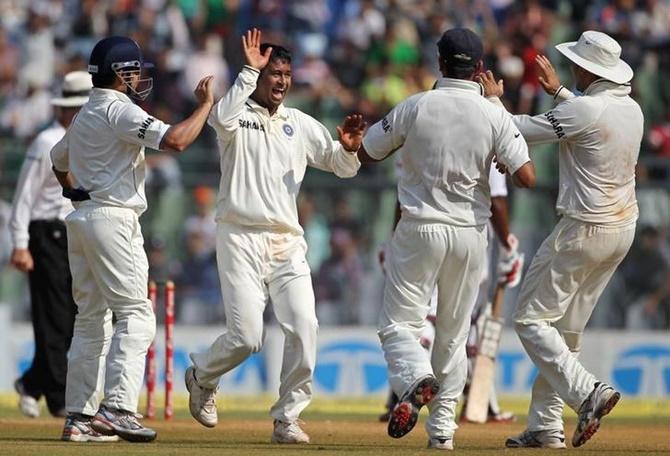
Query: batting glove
(510, 265)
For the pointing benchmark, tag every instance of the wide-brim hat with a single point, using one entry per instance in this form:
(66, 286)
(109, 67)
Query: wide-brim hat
(600, 54)
(76, 88)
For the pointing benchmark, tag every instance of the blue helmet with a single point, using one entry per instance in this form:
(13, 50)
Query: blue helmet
(121, 56)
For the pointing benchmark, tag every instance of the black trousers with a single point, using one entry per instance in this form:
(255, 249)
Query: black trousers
(53, 311)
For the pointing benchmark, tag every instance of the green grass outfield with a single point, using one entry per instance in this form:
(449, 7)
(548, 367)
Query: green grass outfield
(635, 427)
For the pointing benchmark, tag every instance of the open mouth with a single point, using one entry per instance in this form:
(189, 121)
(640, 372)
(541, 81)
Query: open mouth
(278, 93)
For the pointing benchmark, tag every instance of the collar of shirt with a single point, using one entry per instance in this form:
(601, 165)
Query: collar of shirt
(450, 83)
(603, 85)
(282, 112)
(98, 92)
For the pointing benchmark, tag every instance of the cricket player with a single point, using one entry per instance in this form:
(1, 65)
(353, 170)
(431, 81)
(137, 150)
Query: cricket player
(100, 165)
(40, 248)
(265, 148)
(508, 269)
(449, 137)
(599, 137)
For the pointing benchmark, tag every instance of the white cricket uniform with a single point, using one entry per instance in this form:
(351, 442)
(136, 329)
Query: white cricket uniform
(498, 186)
(599, 137)
(448, 136)
(260, 246)
(38, 193)
(104, 152)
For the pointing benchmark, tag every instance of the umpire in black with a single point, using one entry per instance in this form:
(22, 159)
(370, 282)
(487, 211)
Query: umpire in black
(39, 243)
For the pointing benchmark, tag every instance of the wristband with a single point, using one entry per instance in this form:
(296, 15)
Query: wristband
(561, 87)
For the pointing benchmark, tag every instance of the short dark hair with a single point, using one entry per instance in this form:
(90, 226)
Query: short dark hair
(278, 52)
(455, 72)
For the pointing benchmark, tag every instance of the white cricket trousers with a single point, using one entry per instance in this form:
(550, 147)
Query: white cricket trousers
(566, 277)
(109, 275)
(255, 265)
(421, 257)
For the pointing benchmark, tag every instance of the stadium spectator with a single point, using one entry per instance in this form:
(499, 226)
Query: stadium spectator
(202, 221)
(339, 281)
(317, 233)
(646, 273)
(9, 63)
(24, 115)
(198, 282)
(345, 61)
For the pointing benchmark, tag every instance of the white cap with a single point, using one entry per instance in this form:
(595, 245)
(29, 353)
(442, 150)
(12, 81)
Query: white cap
(598, 53)
(76, 88)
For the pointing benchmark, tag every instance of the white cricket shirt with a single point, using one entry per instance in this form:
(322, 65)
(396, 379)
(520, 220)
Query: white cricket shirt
(599, 136)
(264, 158)
(497, 180)
(104, 149)
(38, 194)
(448, 136)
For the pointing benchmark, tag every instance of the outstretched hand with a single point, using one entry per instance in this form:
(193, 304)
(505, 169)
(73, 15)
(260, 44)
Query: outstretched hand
(204, 92)
(489, 84)
(251, 46)
(548, 78)
(350, 133)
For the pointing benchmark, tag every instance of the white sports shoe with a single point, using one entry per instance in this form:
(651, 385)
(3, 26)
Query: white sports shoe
(27, 404)
(288, 433)
(549, 438)
(115, 422)
(201, 401)
(441, 443)
(599, 403)
(78, 429)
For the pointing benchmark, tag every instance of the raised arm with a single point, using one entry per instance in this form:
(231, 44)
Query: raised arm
(328, 155)
(388, 135)
(226, 112)
(549, 81)
(179, 136)
(552, 126)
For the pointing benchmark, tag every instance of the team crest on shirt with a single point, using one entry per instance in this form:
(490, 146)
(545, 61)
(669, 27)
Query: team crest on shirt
(288, 130)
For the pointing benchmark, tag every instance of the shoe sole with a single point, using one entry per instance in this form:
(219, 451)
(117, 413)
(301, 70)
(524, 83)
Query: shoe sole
(80, 438)
(406, 413)
(509, 443)
(592, 427)
(209, 424)
(108, 429)
(287, 442)
(447, 445)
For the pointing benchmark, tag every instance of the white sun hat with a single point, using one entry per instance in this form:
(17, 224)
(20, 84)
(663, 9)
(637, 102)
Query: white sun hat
(599, 54)
(76, 88)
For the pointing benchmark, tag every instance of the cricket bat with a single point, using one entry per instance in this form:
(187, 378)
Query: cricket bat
(483, 372)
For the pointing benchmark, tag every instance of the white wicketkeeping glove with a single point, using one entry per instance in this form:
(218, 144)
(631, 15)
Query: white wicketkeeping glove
(510, 264)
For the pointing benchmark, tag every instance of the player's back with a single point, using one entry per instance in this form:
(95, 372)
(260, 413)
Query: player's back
(449, 147)
(105, 152)
(597, 167)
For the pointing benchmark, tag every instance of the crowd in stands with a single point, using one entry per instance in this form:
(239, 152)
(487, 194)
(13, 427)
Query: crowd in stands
(349, 56)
